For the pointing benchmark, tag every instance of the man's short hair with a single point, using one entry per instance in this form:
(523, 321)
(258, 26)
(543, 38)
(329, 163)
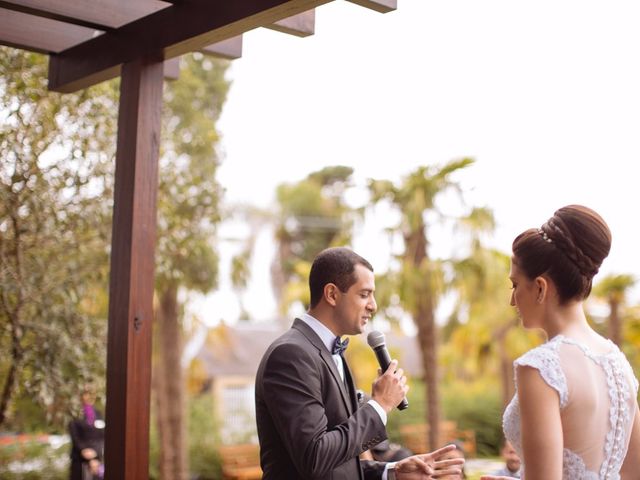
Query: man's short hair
(335, 265)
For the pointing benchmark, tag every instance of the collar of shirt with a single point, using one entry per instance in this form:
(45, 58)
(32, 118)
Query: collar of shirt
(327, 336)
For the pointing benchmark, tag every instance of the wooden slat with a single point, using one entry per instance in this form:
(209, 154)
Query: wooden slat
(132, 271)
(230, 49)
(382, 6)
(100, 14)
(301, 25)
(186, 26)
(40, 34)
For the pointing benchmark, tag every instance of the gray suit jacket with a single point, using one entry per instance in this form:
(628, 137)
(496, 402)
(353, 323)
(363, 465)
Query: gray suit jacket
(310, 425)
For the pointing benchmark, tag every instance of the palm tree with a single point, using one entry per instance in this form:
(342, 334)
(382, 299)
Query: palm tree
(613, 289)
(420, 276)
(312, 215)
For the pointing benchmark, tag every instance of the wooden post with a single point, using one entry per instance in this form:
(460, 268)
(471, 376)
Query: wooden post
(132, 271)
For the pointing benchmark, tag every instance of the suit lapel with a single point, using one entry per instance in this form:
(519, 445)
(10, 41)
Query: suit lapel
(308, 332)
(351, 385)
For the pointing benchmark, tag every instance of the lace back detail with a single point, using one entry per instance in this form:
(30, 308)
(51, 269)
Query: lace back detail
(619, 416)
(621, 387)
(545, 359)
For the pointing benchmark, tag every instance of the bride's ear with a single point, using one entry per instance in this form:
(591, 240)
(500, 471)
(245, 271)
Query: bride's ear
(542, 286)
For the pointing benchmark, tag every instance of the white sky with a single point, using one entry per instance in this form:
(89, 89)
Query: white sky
(545, 95)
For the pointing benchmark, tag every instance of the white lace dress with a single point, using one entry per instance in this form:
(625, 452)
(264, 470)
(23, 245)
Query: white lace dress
(597, 394)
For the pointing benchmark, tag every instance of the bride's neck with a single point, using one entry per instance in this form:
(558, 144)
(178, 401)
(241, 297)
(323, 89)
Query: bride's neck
(568, 320)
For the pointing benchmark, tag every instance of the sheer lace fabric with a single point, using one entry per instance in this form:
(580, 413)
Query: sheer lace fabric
(597, 397)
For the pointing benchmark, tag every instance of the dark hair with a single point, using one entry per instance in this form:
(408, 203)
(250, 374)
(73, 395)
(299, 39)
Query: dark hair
(334, 265)
(569, 248)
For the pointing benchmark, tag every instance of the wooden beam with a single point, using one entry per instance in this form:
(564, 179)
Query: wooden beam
(231, 49)
(382, 6)
(185, 27)
(132, 271)
(40, 34)
(301, 25)
(171, 69)
(98, 14)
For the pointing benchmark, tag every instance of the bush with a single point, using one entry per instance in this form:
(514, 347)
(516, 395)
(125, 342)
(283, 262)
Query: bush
(476, 407)
(203, 439)
(204, 460)
(35, 459)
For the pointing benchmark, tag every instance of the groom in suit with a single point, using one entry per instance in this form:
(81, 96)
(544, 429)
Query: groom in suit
(310, 424)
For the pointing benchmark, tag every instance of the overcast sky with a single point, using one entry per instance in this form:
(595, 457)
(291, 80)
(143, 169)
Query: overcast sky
(544, 95)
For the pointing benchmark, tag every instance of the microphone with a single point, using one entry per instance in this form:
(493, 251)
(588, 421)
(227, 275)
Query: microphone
(375, 340)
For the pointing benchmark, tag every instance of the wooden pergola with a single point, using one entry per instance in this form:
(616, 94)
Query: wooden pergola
(90, 41)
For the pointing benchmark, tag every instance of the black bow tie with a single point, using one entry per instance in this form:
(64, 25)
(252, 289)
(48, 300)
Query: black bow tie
(340, 346)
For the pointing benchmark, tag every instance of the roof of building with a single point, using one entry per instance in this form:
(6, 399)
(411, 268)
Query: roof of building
(232, 350)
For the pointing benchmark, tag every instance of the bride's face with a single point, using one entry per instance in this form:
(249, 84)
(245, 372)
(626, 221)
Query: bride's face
(524, 293)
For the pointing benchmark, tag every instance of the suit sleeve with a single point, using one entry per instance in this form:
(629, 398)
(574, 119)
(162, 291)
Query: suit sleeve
(78, 439)
(293, 386)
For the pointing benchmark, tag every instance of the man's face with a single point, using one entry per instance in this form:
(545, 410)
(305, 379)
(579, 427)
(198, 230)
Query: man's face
(511, 458)
(355, 307)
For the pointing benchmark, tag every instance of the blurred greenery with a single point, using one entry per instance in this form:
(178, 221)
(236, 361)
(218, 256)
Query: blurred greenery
(203, 439)
(34, 460)
(56, 172)
(312, 215)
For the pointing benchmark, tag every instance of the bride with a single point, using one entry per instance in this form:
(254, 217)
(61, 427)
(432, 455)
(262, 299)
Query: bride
(575, 414)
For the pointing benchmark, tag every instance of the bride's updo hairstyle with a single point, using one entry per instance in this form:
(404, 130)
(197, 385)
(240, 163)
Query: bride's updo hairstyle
(569, 248)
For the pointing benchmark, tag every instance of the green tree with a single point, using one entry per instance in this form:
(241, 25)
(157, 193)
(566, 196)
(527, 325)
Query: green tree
(480, 338)
(613, 288)
(56, 172)
(312, 215)
(188, 212)
(420, 279)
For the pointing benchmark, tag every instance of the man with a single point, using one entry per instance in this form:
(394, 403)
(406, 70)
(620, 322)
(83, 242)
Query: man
(310, 424)
(511, 461)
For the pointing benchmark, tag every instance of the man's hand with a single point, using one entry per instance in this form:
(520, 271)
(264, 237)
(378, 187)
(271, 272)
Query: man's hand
(94, 466)
(390, 387)
(429, 466)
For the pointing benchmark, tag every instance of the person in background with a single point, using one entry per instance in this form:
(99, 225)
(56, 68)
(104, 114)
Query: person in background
(457, 453)
(87, 440)
(511, 459)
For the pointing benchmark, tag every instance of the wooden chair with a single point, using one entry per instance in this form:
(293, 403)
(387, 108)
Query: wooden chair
(240, 462)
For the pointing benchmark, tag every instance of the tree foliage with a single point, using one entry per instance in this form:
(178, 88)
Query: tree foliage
(614, 288)
(312, 215)
(55, 188)
(419, 277)
(188, 213)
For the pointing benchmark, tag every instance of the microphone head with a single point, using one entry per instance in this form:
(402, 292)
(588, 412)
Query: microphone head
(375, 339)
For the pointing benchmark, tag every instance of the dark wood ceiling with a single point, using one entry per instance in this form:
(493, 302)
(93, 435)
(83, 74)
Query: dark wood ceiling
(89, 40)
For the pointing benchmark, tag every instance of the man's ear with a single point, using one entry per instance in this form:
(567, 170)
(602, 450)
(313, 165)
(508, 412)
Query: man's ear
(542, 286)
(331, 292)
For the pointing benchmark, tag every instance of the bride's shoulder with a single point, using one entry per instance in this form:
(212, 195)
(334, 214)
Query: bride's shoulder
(545, 359)
(545, 352)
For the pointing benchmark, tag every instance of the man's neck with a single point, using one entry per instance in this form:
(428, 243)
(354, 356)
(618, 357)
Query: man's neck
(325, 318)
